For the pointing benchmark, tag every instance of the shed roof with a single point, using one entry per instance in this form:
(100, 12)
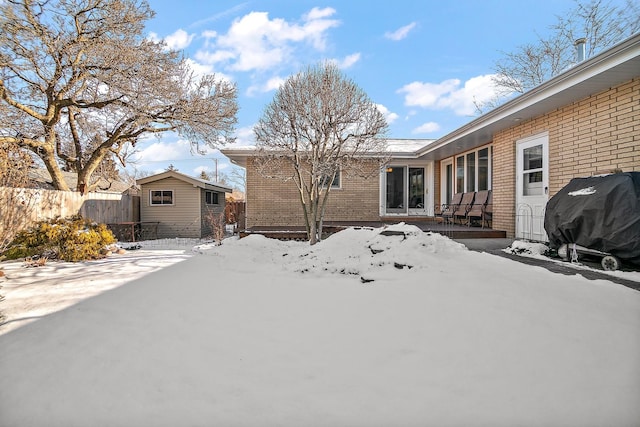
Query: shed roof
(196, 182)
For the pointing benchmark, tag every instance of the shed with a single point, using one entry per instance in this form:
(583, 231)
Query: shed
(183, 206)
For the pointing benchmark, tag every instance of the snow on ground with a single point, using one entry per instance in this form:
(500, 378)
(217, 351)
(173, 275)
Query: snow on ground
(33, 292)
(539, 250)
(362, 329)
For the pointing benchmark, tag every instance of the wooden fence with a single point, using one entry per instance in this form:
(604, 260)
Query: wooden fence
(235, 213)
(42, 204)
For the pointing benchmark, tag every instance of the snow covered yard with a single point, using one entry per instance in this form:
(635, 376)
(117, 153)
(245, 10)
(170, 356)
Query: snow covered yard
(33, 292)
(362, 329)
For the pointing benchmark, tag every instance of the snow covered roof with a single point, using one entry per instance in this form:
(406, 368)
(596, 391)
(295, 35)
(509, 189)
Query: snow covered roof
(396, 147)
(407, 146)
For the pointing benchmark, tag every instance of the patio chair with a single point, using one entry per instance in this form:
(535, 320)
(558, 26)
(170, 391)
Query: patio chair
(449, 209)
(437, 212)
(478, 206)
(487, 212)
(465, 205)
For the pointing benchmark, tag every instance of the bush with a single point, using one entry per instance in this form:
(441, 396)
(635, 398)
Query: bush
(72, 239)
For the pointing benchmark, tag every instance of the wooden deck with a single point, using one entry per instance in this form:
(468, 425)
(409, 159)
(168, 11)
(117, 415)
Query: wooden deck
(453, 231)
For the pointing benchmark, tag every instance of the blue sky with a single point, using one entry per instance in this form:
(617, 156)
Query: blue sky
(423, 62)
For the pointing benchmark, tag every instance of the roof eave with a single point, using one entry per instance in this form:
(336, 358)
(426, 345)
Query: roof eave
(614, 66)
(185, 178)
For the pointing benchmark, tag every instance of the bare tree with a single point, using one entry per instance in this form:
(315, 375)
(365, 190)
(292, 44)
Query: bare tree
(14, 166)
(79, 82)
(238, 179)
(599, 22)
(16, 203)
(318, 124)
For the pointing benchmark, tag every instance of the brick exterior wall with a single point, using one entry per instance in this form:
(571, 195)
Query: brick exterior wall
(276, 203)
(593, 136)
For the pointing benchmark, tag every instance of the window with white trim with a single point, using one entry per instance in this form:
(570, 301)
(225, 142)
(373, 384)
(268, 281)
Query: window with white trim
(473, 170)
(160, 197)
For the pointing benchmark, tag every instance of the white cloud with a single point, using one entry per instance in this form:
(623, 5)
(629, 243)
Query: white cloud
(451, 94)
(317, 13)
(400, 33)
(256, 42)
(214, 57)
(161, 151)
(419, 94)
(244, 137)
(388, 115)
(200, 70)
(348, 60)
(209, 34)
(179, 40)
(272, 84)
(428, 127)
(476, 91)
(154, 37)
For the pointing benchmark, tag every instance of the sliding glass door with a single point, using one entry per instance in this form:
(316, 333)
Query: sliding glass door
(396, 195)
(405, 190)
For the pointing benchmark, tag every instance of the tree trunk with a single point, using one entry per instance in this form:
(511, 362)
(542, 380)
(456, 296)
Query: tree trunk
(57, 179)
(84, 174)
(313, 236)
(325, 197)
(304, 205)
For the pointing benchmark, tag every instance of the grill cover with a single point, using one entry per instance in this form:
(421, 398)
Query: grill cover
(598, 212)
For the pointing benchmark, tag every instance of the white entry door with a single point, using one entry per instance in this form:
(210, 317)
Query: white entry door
(532, 187)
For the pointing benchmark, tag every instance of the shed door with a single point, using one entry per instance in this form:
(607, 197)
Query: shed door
(532, 187)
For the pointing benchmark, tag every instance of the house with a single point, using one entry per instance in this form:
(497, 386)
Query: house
(182, 206)
(271, 203)
(583, 122)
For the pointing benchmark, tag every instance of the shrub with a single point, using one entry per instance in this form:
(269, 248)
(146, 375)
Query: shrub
(215, 221)
(72, 239)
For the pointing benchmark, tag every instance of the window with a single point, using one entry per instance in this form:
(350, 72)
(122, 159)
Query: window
(211, 197)
(532, 166)
(416, 188)
(334, 184)
(460, 174)
(483, 169)
(161, 197)
(473, 170)
(395, 189)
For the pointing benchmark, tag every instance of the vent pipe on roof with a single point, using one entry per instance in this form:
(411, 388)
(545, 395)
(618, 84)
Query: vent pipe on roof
(581, 45)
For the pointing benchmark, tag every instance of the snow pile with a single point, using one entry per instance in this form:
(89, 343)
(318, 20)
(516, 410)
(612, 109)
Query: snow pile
(533, 249)
(371, 254)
